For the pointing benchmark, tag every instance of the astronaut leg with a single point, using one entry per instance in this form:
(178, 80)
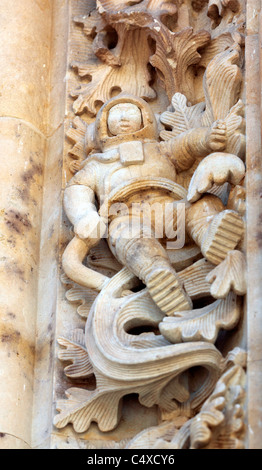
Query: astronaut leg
(214, 228)
(147, 259)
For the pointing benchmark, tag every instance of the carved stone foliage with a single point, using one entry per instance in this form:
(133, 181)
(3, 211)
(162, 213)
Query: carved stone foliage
(220, 423)
(156, 265)
(155, 41)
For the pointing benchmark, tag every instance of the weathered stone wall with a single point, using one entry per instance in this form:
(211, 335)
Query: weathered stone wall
(24, 109)
(33, 63)
(35, 111)
(254, 218)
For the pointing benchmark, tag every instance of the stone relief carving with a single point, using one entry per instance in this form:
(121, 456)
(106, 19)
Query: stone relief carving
(157, 203)
(219, 424)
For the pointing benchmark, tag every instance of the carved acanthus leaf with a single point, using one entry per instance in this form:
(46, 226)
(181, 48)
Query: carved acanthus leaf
(222, 85)
(92, 23)
(82, 296)
(184, 117)
(116, 5)
(113, 9)
(216, 46)
(76, 134)
(222, 73)
(132, 24)
(202, 324)
(82, 407)
(219, 423)
(75, 352)
(235, 125)
(156, 437)
(217, 9)
(132, 51)
(173, 57)
(181, 118)
(229, 275)
(175, 54)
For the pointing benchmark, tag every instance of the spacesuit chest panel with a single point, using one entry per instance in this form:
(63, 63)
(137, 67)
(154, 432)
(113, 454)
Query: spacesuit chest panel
(131, 153)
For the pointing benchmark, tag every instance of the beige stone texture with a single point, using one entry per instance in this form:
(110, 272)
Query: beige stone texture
(58, 65)
(11, 442)
(49, 272)
(254, 218)
(22, 154)
(25, 29)
(47, 291)
(33, 64)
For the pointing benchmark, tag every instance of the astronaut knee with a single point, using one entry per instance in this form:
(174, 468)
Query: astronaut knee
(135, 248)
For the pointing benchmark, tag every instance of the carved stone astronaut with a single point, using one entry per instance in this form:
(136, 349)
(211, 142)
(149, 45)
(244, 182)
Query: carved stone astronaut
(131, 162)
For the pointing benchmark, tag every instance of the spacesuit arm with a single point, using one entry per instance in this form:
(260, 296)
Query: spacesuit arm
(79, 203)
(185, 148)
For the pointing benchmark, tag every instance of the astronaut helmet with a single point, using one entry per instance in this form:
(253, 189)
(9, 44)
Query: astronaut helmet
(146, 131)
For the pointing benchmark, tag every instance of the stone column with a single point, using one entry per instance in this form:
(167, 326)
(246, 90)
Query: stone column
(48, 272)
(254, 223)
(25, 35)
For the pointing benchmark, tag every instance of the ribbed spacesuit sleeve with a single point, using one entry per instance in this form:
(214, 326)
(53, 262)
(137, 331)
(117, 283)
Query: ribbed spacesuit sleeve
(185, 148)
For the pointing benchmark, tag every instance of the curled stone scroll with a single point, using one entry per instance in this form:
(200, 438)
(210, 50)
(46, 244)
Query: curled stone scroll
(157, 205)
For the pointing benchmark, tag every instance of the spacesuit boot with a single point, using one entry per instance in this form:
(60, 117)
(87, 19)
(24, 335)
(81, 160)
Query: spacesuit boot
(214, 228)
